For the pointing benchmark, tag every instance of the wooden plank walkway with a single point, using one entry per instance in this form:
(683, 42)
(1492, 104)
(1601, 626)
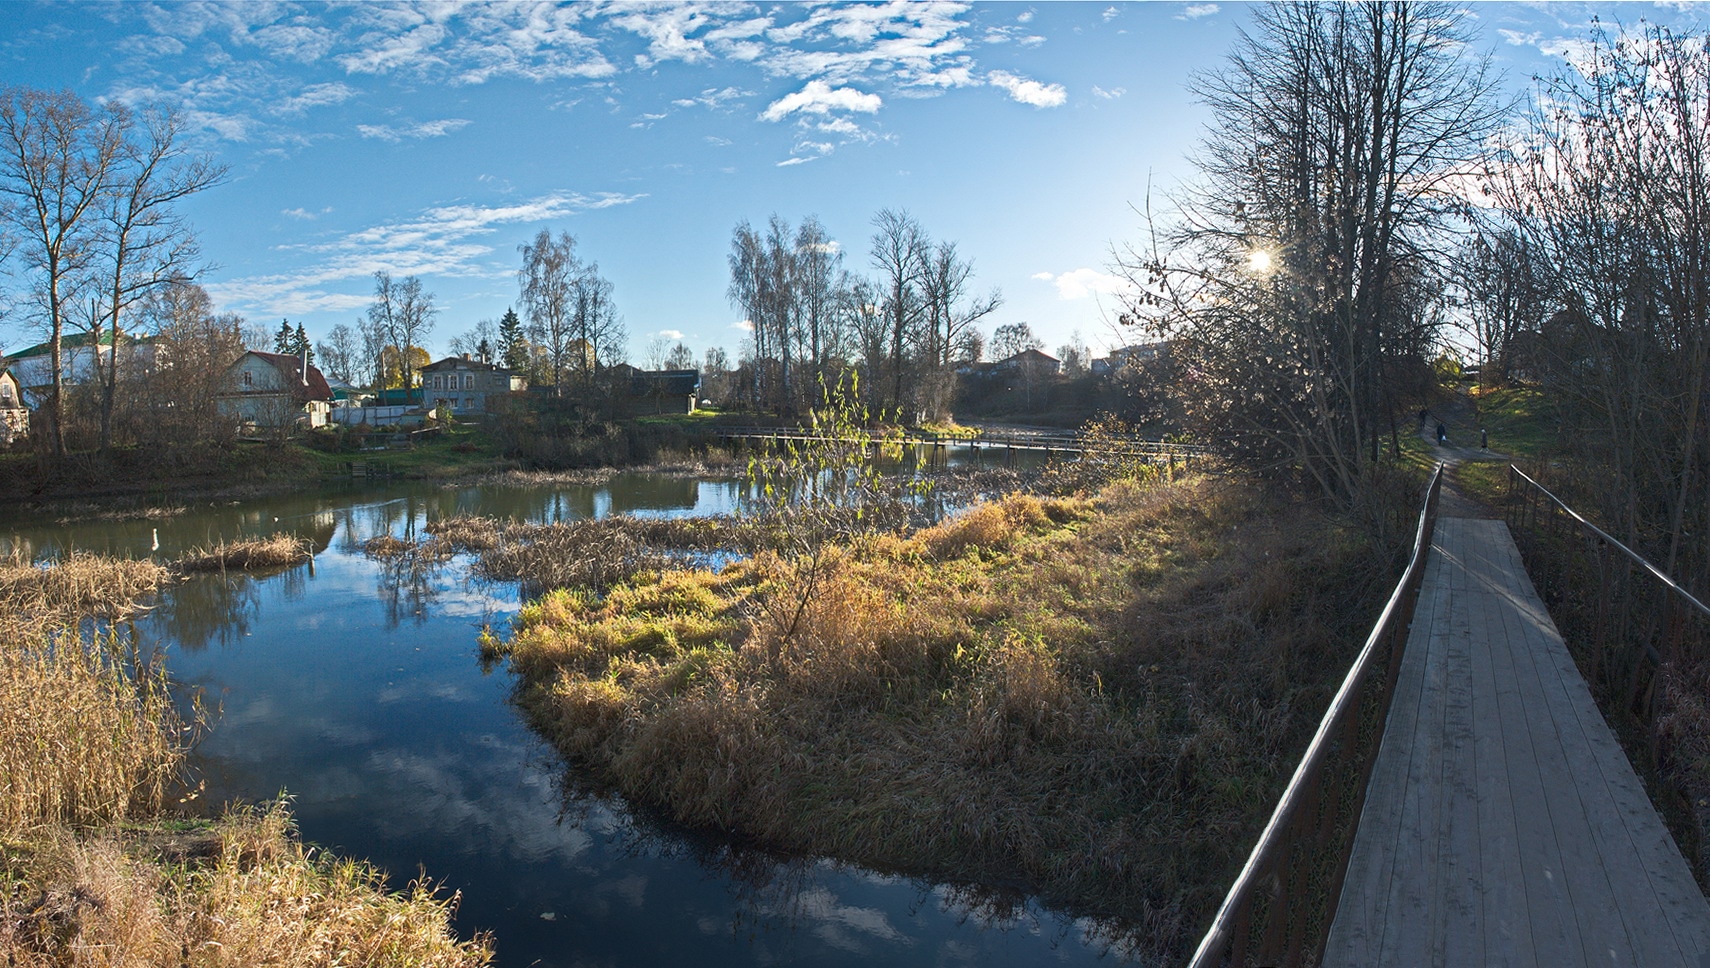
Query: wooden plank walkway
(1503, 824)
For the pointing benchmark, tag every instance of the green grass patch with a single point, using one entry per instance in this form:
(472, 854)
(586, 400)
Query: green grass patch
(1523, 421)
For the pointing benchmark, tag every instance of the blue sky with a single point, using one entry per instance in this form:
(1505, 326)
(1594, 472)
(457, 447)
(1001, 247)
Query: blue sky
(434, 138)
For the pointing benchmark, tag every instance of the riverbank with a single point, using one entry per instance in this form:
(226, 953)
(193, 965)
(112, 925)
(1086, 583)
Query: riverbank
(96, 867)
(1093, 699)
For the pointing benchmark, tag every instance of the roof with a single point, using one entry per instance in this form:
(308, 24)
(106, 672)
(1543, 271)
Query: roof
(74, 340)
(292, 369)
(668, 382)
(459, 363)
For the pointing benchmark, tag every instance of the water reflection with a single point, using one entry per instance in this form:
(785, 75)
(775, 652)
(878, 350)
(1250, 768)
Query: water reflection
(355, 687)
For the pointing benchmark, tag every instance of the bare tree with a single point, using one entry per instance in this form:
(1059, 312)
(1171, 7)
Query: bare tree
(548, 278)
(950, 315)
(404, 314)
(899, 254)
(680, 358)
(57, 161)
(1012, 339)
(195, 349)
(1343, 135)
(146, 244)
(1611, 187)
(339, 354)
(480, 342)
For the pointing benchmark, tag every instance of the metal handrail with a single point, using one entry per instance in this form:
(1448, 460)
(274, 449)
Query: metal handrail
(1634, 556)
(1225, 941)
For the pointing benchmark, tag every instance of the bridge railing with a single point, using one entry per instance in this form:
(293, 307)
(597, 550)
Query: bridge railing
(1641, 638)
(1282, 903)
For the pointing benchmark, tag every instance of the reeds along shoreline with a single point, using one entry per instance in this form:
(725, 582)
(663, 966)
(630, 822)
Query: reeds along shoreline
(1094, 697)
(276, 551)
(91, 748)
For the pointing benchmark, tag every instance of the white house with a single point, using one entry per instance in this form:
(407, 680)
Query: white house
(274, 390)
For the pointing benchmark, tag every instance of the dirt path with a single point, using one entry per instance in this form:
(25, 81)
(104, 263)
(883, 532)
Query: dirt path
(1456, 416)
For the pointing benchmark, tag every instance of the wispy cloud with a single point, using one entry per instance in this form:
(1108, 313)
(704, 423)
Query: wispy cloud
(1195, 11)
(303, 214)
(445, 241)
(426, 129)
(1028, 91)
(1111, 94)
(670, 333)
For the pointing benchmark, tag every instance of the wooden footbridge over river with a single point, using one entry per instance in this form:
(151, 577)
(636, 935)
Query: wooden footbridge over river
(1464, 801)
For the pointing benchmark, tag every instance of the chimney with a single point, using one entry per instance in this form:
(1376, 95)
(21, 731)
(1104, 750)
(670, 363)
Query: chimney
(305, 366)
(466, 356)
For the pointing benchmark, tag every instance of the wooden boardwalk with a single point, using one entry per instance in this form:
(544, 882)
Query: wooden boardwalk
(1503, 823)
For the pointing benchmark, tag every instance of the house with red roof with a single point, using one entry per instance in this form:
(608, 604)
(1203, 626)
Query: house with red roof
(274, 391)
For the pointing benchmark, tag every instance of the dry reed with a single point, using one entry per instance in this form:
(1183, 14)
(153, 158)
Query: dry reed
(90, 739)
(1095, 698)
(276, 551)
(261, 898)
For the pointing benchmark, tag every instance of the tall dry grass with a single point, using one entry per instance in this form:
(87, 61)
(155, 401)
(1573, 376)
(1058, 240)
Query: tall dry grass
(1097, 698)
(91, 745)
(259, 898)
(88, 732)
(35, 597)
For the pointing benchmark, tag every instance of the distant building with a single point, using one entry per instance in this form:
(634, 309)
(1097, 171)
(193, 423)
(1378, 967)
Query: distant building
(464, 385)
(269, 391)
(657, 391)
(1138, 354)
(14, 417)
(1031, 363)
(32, 366)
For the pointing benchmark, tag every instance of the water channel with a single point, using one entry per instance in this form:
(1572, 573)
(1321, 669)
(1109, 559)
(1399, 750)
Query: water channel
(357, 691)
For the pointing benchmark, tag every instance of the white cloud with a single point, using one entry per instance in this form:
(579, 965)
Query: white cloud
(426, 129)
(1111, 94)
(818, 97)
(1082, 283)
(670, 333)
(442, 241)
(746, 325)
(1025, 17)
(304, 214)
(1110, 13)
(315, 96)
(787, 162)
(1028, 91)
(1195, 11)
(713, 97)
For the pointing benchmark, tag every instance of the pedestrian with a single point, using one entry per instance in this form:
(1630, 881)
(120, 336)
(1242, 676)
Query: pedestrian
(1423, 413)
(1484, 438)
(1442, 434)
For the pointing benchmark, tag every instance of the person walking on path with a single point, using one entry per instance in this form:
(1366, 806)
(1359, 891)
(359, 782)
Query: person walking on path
(1484, 438)
(1423, 413)
(1442, 434)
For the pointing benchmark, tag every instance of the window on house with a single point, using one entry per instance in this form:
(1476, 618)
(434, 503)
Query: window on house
(248, 378)
(468, 381)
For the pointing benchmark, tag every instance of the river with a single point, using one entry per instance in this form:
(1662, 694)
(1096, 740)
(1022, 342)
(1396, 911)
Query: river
(356, 690)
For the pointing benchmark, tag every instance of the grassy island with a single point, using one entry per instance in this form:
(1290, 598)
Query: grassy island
(1093, 698)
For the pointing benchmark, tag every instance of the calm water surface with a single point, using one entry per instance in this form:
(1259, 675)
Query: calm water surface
(356, 690)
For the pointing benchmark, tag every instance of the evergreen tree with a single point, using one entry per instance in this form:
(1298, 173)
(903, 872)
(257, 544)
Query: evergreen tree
(285, 340)
(513, 348)
(300, 344)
